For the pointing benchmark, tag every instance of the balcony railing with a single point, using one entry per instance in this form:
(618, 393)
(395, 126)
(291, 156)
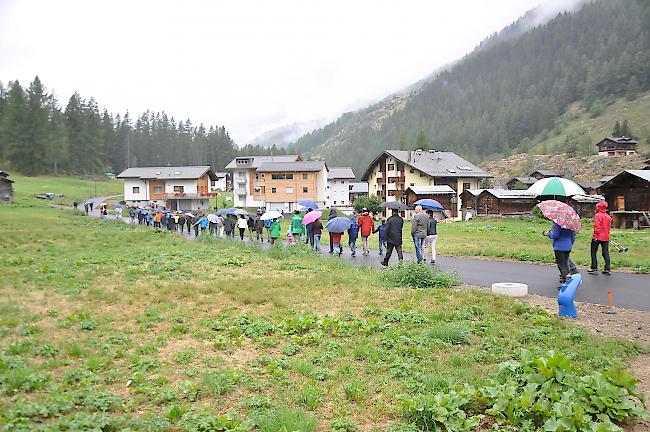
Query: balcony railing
(183, 195)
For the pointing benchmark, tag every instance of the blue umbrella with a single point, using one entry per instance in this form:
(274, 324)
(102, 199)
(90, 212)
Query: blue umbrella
(338, 224)
(429, 204)
(226, 211)
(308, 204)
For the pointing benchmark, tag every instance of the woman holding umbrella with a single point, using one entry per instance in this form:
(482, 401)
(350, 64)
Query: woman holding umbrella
(565, 224)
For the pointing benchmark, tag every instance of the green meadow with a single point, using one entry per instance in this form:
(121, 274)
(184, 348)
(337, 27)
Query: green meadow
(106, 326)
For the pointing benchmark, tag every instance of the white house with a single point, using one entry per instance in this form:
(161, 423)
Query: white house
(175, 188)
(245, 175)
(339, 180)
(221, 184)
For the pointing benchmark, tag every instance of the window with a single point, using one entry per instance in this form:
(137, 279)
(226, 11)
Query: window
(391, 167)
(136, 189)
(157, 189)
(350, 187)
(282, 176)
(412, 184)
(273, 190)
(289, 190)
(411, 171)
(305, 176)
(179, 189)
(305, 190)
(466, 186)
(334, 202)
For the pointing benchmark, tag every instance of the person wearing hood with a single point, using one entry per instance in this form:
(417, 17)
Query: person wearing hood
(332, 215)
(563, 240)
(353, 233)
(602, 228)
(259, 228)
(201, 222)
(275, 231)
(394, 226)
(297, 228)
(366, 226)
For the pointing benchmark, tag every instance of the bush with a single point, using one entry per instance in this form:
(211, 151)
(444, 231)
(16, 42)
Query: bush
(413, 275)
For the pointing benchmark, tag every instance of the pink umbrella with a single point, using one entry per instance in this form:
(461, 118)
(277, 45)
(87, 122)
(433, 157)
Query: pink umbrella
(311, 216)
(561, 213)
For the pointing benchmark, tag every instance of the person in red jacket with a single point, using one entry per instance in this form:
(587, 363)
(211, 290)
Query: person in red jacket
(366, 227)
(602, 224)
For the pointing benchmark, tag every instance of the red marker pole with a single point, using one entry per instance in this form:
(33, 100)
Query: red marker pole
(610, 306)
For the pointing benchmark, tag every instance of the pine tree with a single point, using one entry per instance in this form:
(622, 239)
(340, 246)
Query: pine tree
(33, 159)
(15, 129)
(632, 91)
(421, 141)
(74, 125)
(625, 130)
(617, 130)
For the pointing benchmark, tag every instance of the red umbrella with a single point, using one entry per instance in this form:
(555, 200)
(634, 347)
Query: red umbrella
(561, 213)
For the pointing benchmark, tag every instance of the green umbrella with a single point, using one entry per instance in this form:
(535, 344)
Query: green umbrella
(556, 186)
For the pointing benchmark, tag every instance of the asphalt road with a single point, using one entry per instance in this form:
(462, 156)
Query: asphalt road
(629, 290)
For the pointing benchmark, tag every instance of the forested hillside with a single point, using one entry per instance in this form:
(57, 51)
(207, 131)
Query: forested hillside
(37, 136)
(510, 90)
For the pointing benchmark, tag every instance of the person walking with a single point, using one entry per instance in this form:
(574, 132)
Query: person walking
(602, 228)
(91, 204)
(132, 215)
(275, 230)
(188, 222)
(157, 219)
(419, 226)
(353, 234)
(267, 227)
(381, 229)
(336, 242)
(86, 207)
(259, 228)
(332, 215)
(431, 238)
(171, 223)
(317, 231)
(118, 213)
(181, 222)
(394, 226)
(297, 228)
(250, 221)
(563, 240)
(309, 238)
(219, 222)
(366, 227)
(229, 226)
(140, 216)
(147, 218)
(202, 222)
(242, 224)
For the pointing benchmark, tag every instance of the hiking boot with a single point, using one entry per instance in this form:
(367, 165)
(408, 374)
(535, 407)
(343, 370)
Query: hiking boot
(606, 272)
(354, 254)
(592, 271)
(384, 263)
(433, 262)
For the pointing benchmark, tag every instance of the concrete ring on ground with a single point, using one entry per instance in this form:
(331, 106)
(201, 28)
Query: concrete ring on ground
(510, 289)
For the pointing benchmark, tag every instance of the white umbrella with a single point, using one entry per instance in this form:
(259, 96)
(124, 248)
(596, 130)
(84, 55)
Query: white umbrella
(190, 214)
(556, 186)
(241, 212)
(271, 215)
(213, 217)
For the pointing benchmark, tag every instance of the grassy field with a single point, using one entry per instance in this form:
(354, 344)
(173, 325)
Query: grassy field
(72, 188)
(105, 326)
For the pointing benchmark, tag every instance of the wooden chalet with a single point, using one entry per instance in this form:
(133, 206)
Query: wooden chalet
(617, 146)
(585, 205)
(591, 188)
(6, 188)
(444, 194)
(520, 183)
(543, 173)
(628, 197)
(499, 202)
(469, 201)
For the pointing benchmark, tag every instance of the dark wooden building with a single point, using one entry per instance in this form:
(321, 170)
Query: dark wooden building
(585, 205)
(617, 146)
(520, 183)
(591, 188)
(444, 194)
(543, 173)
(6, 188)
(503, 202)
(628, 197)
(469, 201)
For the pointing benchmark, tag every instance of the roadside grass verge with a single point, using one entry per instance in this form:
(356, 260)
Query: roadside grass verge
(106, 325)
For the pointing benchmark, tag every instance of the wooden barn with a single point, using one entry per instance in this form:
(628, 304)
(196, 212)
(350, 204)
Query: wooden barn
(504, 202)
(444, 194)
(520, 183)
(469, 201)
(585, 205)
(628, 197)
(6, 188)
(542, 173)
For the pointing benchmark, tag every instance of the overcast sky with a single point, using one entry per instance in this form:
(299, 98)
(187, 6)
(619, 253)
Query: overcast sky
(248, 65)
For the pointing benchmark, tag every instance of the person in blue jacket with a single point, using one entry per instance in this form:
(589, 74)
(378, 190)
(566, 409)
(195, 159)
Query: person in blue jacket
(381, 229)
(353, 233)
(202, 223)
(563, 240)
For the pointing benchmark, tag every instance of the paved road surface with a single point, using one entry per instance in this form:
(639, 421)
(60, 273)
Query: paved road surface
(629, 290)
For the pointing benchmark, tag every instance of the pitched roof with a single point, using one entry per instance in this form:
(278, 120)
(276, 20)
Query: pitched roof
(257, 161)
(291, 166)
(586, 199)
(643, 174)
(475, 192)
(589, 185)
(359, 187)
(165, 173)
(621, 140)
(510, 194)
(340, 173)
(432, 163)
(548, 173)
(431, 190)
(524, 180)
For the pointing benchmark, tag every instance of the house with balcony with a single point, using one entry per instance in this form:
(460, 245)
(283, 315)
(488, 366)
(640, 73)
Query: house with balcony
(357, 190)
(339, 180)
(617, 146)
(245, 178)
(174, 188)
(391, 173)
(280, 185)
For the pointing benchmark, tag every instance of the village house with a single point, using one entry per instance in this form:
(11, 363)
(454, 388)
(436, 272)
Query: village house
(280, 185)
(520, 183)
(245, 177)
(6, 188)
(175, 188)
(338, 187)
(617, 146)
(441, 193)
(628, 198)
(357, 190)
(544, 173)
(498, 202)
(393, 171)
(221, 183)
(469, 201)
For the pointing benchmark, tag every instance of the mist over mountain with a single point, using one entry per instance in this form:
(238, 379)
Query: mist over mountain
(511, 88)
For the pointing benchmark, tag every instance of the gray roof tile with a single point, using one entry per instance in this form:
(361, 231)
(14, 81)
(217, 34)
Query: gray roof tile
(340, 173)
(163, 173)
(259, 160)
(291, 166)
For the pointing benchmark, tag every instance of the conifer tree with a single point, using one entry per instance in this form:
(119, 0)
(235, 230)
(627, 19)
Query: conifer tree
(15, 127)
(617, 130)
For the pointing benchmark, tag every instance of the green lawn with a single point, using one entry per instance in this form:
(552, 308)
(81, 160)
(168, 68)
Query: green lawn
(72, 188)
(106, 326)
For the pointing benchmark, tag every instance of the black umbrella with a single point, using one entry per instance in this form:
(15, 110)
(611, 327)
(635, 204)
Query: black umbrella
(394, 205)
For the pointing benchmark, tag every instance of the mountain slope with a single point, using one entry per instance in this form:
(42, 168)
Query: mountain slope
(507, 90)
